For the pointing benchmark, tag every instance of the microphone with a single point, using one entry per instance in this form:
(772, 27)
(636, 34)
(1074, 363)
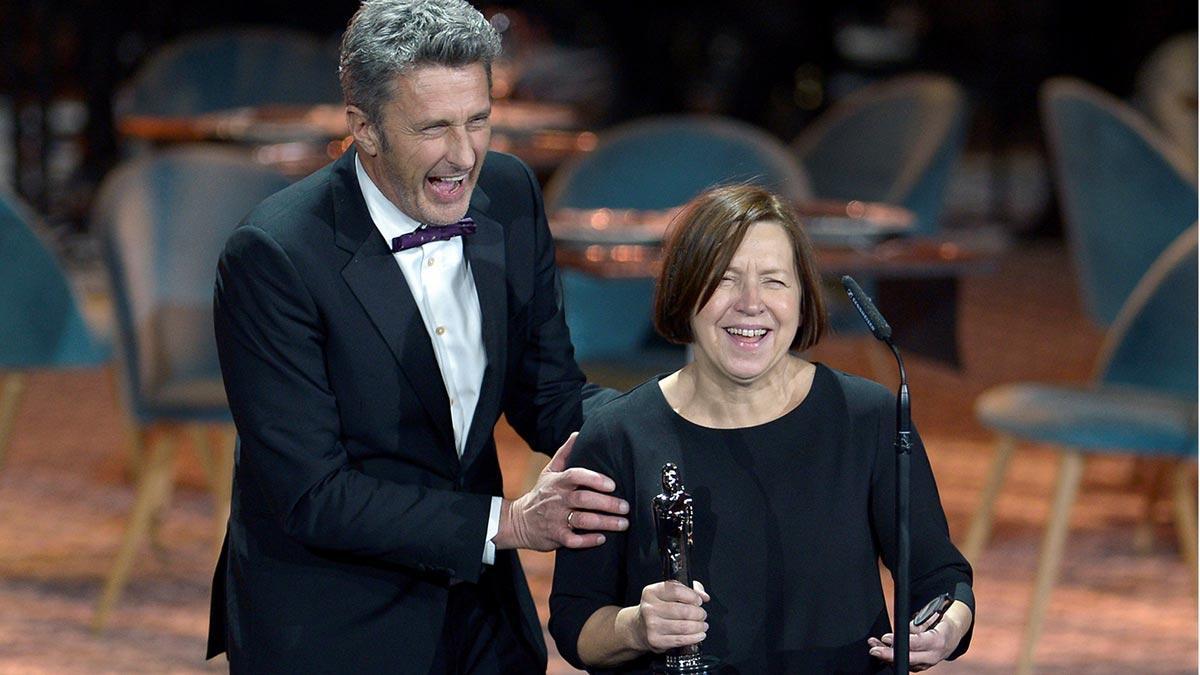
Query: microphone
(874, 320)
(903, 445)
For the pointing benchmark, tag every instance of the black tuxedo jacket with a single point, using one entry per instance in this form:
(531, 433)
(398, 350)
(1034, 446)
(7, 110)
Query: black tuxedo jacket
(352, 513)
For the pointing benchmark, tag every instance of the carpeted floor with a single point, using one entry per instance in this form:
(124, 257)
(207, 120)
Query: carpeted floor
(63, 500)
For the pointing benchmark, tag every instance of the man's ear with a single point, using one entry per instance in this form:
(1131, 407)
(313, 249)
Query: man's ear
(366, 134)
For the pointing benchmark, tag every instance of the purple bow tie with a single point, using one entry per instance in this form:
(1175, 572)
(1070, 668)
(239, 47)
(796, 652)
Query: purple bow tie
(423, 235)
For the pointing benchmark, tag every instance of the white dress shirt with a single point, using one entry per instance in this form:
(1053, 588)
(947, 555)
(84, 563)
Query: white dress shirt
(440, 280)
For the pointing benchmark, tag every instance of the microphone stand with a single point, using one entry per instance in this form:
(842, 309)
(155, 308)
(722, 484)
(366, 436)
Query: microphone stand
(903, 446)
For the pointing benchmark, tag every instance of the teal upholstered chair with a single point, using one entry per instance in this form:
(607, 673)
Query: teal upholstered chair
(1141, 402)
(164, 219)
(654, 163)
(1165, 89)
(895, 141)
(40, 322)
(1124, 192)
(231, 68)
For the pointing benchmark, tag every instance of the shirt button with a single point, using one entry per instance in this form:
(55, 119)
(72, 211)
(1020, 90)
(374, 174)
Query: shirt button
(429, 262)
(453, 401)
(441, 330)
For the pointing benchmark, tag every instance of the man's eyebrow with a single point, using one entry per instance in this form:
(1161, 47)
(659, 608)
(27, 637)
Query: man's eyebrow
(446, 122)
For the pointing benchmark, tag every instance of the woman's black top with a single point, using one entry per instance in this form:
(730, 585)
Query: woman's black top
(791, 518)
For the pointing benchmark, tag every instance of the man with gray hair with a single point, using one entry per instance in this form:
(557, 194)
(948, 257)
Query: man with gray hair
(373, 321)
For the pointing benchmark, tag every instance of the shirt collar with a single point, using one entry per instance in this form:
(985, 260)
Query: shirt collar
(389, 219)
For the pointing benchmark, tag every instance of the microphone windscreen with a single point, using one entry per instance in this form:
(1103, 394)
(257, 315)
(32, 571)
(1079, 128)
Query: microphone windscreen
(870, 315)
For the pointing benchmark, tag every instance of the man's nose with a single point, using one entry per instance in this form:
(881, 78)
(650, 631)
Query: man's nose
(459, 151)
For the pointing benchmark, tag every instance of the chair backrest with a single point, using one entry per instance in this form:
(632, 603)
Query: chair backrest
(232, 68)
(40, 322)
(896, 141)
(1166, 90)
(1153, 342)
(1124, 193)
(164, 220)
(662, 162)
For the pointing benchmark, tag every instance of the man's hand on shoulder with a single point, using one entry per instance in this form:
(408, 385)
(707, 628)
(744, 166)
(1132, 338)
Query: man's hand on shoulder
(563, 503)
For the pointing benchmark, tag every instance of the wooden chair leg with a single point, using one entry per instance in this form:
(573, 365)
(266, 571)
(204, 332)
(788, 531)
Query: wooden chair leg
(1185, 514)
(11, 389)
(1070, 471)
(981, 522)
(130, 427)
(154, 484)
(203, 449)
(222, 482)
(135, 444)
(1156, 473)
(158, 546)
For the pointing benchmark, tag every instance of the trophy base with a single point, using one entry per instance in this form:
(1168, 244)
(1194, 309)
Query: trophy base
(686, 665)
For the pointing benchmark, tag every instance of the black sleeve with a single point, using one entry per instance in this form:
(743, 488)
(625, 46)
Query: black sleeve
(270, 340)
(936, 566)
(587, 579)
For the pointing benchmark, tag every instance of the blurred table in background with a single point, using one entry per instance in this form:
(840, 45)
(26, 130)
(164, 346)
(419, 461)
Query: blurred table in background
(916, 277)
(849, 238)
(297, 140)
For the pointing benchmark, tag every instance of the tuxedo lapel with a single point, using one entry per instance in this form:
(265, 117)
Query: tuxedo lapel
(376, 280)
(484, 252)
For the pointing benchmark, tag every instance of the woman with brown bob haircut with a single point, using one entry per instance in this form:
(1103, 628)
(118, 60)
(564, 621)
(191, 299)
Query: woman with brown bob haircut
(790, 465)
(705, 236)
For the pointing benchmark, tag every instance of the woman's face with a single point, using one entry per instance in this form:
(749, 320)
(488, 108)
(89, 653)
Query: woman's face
(744, 330)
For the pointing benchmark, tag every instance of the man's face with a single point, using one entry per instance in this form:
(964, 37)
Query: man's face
(431, 140)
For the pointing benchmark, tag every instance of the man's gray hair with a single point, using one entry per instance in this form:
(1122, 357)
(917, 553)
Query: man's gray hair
(388, 37)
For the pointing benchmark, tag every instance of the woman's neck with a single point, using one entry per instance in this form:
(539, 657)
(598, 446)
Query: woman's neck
(712, 401)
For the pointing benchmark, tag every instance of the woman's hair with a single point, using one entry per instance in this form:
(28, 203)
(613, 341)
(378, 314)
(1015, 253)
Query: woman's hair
(388, 37)
(701, 242)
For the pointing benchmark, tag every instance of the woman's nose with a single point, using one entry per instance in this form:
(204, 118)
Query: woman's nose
(749, 300)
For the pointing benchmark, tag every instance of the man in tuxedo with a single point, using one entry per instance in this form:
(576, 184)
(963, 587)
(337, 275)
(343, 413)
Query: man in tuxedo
(373, 322)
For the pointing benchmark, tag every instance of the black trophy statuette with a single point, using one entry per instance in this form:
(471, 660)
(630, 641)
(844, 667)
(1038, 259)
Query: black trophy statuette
(674, 521)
